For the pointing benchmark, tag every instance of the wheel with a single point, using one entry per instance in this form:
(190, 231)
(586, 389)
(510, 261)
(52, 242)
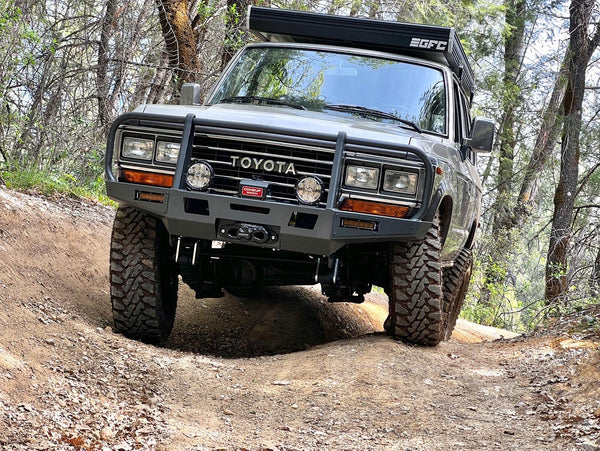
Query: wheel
(456, 284)
(415, 291)
(143, 277)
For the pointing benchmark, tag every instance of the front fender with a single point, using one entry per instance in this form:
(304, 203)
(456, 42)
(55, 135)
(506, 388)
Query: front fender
(443, 193)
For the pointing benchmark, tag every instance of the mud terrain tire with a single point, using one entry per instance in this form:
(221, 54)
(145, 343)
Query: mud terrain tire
(415, 292)
(456, 284)
(143, 277)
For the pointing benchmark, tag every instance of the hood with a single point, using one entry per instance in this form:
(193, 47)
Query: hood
(288, 118)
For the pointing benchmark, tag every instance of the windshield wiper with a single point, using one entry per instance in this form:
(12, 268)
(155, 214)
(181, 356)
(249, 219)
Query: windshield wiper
(364, 111)
(269, 100)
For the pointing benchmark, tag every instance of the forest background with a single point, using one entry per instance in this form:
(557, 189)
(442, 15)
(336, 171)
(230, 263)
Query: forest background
(69, 67)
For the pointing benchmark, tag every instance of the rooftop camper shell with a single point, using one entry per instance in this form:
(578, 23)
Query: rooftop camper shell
(440, 44)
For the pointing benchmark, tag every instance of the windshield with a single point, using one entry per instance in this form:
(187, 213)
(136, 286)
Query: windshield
(315, 80)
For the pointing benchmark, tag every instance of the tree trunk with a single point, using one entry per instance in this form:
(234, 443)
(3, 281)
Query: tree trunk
(580, 52)
(180, 40)
(111, 79)
(502, 209)
(102, 84)
(513, 53)
(5, 158)
(595, 278)
(157, 88)
(27, 151)
(125, 49)
(544, 145)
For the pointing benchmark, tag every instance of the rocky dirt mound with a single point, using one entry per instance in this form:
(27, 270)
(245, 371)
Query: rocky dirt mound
(287, 371)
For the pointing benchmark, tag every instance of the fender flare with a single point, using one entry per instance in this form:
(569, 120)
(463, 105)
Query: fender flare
(442, 202)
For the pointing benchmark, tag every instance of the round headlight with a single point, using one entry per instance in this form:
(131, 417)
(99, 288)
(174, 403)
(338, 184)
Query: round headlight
(309, 190)
(199, 175)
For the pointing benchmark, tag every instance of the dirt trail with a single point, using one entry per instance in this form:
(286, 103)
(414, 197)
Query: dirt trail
(286, 372)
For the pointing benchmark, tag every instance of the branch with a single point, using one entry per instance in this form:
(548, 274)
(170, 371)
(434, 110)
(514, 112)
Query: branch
(539, 233)
(161, 66)
(586, 177)
(595, 41)
(581, 207)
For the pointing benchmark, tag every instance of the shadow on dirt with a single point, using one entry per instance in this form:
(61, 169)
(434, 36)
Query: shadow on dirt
(281, 320)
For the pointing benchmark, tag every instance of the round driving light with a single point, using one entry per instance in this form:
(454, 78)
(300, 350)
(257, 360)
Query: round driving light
(199, 175)
(309, 190)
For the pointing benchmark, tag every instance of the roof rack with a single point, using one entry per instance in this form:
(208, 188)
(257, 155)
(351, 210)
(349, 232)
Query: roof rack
(429, 42)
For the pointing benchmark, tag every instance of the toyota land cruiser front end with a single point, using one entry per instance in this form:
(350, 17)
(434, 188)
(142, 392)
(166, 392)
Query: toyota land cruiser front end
(338, 160)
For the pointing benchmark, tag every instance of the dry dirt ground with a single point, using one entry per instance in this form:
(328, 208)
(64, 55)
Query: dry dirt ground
(287, 372)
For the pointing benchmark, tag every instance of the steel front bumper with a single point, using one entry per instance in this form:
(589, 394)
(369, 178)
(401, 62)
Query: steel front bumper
(297, 228)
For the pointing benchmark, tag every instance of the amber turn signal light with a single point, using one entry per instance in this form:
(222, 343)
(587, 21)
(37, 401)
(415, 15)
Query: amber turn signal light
(374, 208)
(147, 178)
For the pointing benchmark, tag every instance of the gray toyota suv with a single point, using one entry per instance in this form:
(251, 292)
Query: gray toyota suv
(337, 151)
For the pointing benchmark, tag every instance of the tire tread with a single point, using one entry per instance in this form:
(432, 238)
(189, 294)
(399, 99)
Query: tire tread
(143, 281)
(416, 290)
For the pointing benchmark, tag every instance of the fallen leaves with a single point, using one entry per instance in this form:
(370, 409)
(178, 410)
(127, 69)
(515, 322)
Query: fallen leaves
(92, 399)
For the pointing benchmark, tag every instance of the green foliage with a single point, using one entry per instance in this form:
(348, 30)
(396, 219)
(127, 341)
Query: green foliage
(509, 296)
(504, 308)
(234, 38)
(206, 10)
(298, 5)
(49, 184)
(9, 15)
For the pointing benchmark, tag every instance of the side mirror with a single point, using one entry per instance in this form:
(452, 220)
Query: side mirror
(190, 94)
(482, 135)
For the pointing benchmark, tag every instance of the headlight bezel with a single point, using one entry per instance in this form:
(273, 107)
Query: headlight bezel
(413, 171)
(412, 185)
(175, 150)
(129, 154)
(153, 157)
(353, 174)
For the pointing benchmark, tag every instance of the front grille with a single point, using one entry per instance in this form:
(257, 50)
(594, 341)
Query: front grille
(309, 156)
